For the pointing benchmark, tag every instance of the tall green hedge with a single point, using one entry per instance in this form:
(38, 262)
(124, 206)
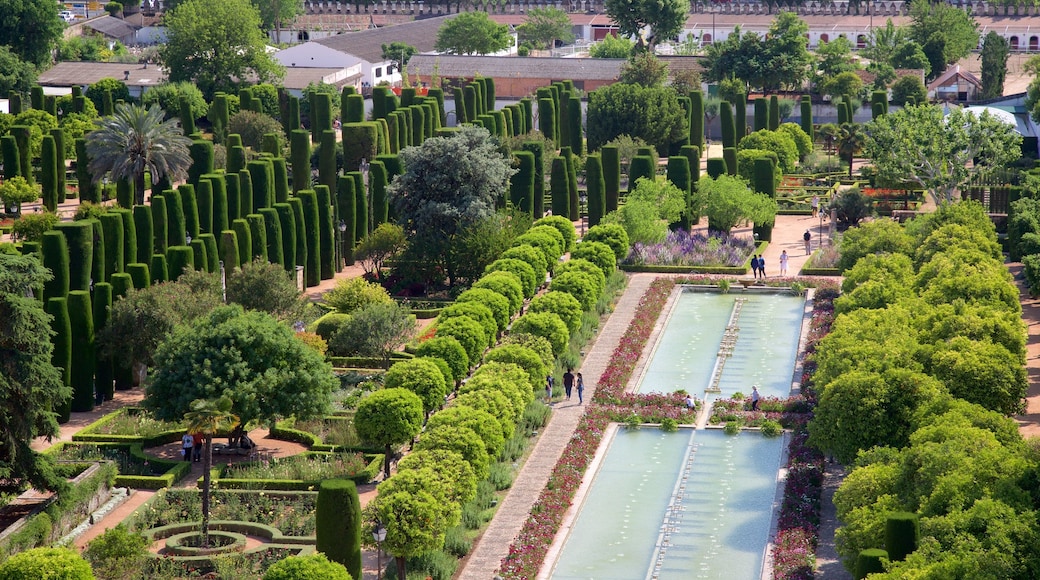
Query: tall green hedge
(177, 224)
(640, 166)
(245, 241)
(59, 150)
(140, 273)
(258, 236)
(281, 180)
(233, 187)
(611, 159)
(728, 126)
(202, 159)
(61, 356)
(180, 259)
(296, 204)
(114, 245)
(287, 224)
(558, 187)
(145, 233)
(10, 156)
(547, 118)
(761, 113)
(300, 159)
(521, 184)
(23, 136)
(353, 109)
(273, 236)
(56, 259)
(159, 269)
(209, 241)
(49, 174)
(729, 155)
(104, 369)
(97, 269)
(902, 534)
(345, 202)
(538, 203)
(203, 200)
(716, 166)
(229, 252)
(338, 524)
(160, 227)
(326, 232)
(309, 199)
(220, 215)
(129, 235)
(245, 193)
(79, 239)
(88, 189)
(361, 214)
(124, 193)
(261, 175)
(807, 118)
(359, 142)
(81, 319)
(594, 183)
(377, 181)
(774, 113)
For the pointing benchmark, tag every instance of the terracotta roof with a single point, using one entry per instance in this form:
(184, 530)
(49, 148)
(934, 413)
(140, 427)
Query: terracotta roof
(457, 66)
(952, 72)
(368, 44)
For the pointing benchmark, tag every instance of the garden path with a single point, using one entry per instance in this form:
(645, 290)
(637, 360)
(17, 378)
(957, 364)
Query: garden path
(1029, 422)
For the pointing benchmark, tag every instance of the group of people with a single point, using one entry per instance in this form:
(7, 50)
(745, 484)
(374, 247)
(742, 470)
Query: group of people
(758, 266)
(570, 381)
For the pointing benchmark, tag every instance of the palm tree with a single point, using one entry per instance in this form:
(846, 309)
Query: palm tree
(134, 140)
(828, 132)
(209, 417)
(851, 140)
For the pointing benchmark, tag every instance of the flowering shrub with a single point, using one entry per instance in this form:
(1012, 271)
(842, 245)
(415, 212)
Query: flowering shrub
(686, 249)
(789, 412)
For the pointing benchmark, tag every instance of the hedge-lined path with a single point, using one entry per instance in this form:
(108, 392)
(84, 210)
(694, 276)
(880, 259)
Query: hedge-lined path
(1029, 422)
(828, 564)
(78, 421)
(137, 498)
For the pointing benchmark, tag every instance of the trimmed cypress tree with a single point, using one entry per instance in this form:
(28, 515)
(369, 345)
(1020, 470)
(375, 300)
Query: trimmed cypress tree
(14, 105)
(145, 233)
(229, 252)
(300, 159)
(359, 142)
(81, 320)
(338, 524)
(807, 120)
(489, 93)
(577, 142)
(678, 172)
(160, 227)
(611, 160)
(56, 259)
(198, 252)
(88, 189)
(597, 197)
(233, 187)
(49, 174)
(204, 204)
(159, 269)
(218, 117)
(124, 193)
(558, 187)
(257, 236)
(377, 181)
(640, 166)
(212, 253)
(22, 135)
(729, 131)
(245, 240)
(122, 283)
(9, 152)
(321, 114)
(469, 101)
(437, 95)
(393, 133)
(521, 184)
(740, 117)
(104, 369)
(245, 99)
(572, 184)
(162, 184)
(293, 122)
(273, 236)
(327, 156)
(245, 193)
(460, 105)
(189, 209)
(418, 126)
(353, 109)
(114, 244)
(378, 102)
(180, 259)
(729, 154)
(843, 114)
(202, 159)
(902, 535)
(129, 236)
(237, 157)
(287, 223)
(565, 119)
(79, 243)
(761, 113)
(764, 183)
(177, 229)
(869, 562)
(261, 176)
(281, 180)
(271, 144)
(538, 203)
(693, 154)
(774, 113)
(59, 159)
(309, 199)
(107, 104)
(880, 98)
(716, 166)
(326, 233)
(361, 215)
(345, 208)
(547, 119)
(527, 108)
(301, 231)
(140, 273)
(61, 356)
(186, 116)
(97, 269)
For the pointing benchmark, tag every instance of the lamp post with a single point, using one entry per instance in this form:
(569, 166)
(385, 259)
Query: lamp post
(223, 282)
(582, 211)
(363, 166)
(340, 231)
(820, 212)
(379, 534)
(712, 5)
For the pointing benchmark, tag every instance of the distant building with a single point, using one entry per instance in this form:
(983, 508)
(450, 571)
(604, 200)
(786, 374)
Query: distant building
(955, 85)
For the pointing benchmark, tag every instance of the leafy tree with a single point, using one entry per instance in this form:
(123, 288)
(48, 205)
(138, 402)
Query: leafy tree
(247, 356)
(779, 142)
(472, 33)
(651, 114)
(168, 95)
(876, 281)
(844, 83)
(310, 567)
(851, 140)
(136, 140)
(544, 26)
(958, 28)
(919, 145)
(787, 45)
(40, 123)
(644, 69)
(209, 418)
(731, 201)
(911, 55)
(30, 386)
(50, 563)
(275, 13)
(994, 57)
(15, 74)
(16, 191)
(781, 59)
(612, 46)
(449, 466)
(875, 237)
(118, 553)
(385, 243)
(31, 29)
(266, 287)
(422, 377)
(449, 185)
(216, 45)
(398, 53)
(909, 89)
(31, 227)
(883, 41)
(118, 89)
(935, 51)
(252, 127)
(375, 330)
(982, 372)
(352, 294)
(664, 18)
(648, 209)
(389, 417)
(833, 58)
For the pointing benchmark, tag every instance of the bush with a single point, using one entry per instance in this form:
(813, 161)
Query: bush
(117, 553)
(448, 349)
(311, 567)
(31, 227)
(599, 281)
(327, 326)
(537, 344)
(48, 563)
(422, 377)
(506, 284)
(778, 142)
(338, 523)
(853, 207)
(476, 311)
(580, 285)
(1032, 268)
(562, 304)
(498, 303)
(483, 423)
(544, 243)
(526, 358)
(531, 256)
(771, 428)
(546, 325)
(468, 332)
(456, 542)
(801, 140)
(167, 95)
(522, 270)
(599, 254)
(613, 235)
(355, 293)
(252, 127)
(501, 476)
(563, 225)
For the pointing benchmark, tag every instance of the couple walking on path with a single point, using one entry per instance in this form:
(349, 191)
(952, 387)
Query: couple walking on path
(568, 386)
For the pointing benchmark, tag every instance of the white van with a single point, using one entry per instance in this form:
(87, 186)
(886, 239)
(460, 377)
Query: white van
(67, 16)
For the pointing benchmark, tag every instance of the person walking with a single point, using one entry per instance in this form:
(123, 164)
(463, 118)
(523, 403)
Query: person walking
(762, 267)
(754, 398)
(783, 263)
(754, 266)
(807, 237)
(581, 389)
(187, 442)
(815, 205)
(568, 383)
(548, 389)
(196, 446)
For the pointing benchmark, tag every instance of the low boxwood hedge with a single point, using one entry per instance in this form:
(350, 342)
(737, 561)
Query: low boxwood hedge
(171, 471)
(375, 463)
(820, 272)
(89, 433)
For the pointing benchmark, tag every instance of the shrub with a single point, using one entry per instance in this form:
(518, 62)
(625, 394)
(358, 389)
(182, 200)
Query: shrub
(355, 293)
(580, 285)
(448, 349)
(117, 553)
(327, 326)
(338, 523)
(522, 270)
(598, 253)
(506, 284)
(562, 304)
(456, 542)
(771, 428)
(523, 357)
(461, 440)
(562, 225)
(476, 311)
(613, 235)
(544, 243)
(531, 256)
(778, 142)
(546, 325)
(598, 279)
(801, 140)
(853, 207)
(49, 563)
(252, 127)
(422, 377)
(468, 332)
(498, 303)
(501, 476)
(310, 567)
(537, 344)
(483, 423)
(30, 227)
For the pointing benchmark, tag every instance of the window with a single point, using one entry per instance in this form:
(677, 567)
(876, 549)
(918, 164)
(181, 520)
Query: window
(379, 72)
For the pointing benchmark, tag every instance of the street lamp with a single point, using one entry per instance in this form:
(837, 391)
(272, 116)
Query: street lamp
(379, 534)
(820, 211)
(583, 211)
(341, 231)
(223, 282)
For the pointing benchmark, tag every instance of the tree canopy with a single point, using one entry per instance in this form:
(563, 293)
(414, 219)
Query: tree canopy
(731, 201)
(957, 29)
(218, 45)
(247, 356)
(30, 386)
(780, 59)
(544, 26)
(31, 29)
(16, 74)
(664, 18)
(940, 154)
(652, 114)
(472, 33)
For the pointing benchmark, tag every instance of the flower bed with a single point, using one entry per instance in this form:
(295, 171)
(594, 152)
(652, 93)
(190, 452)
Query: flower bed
(130, 425)
(685, 249)
(788, 412)
(292, 514)
(136, 469)
(300, 472)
